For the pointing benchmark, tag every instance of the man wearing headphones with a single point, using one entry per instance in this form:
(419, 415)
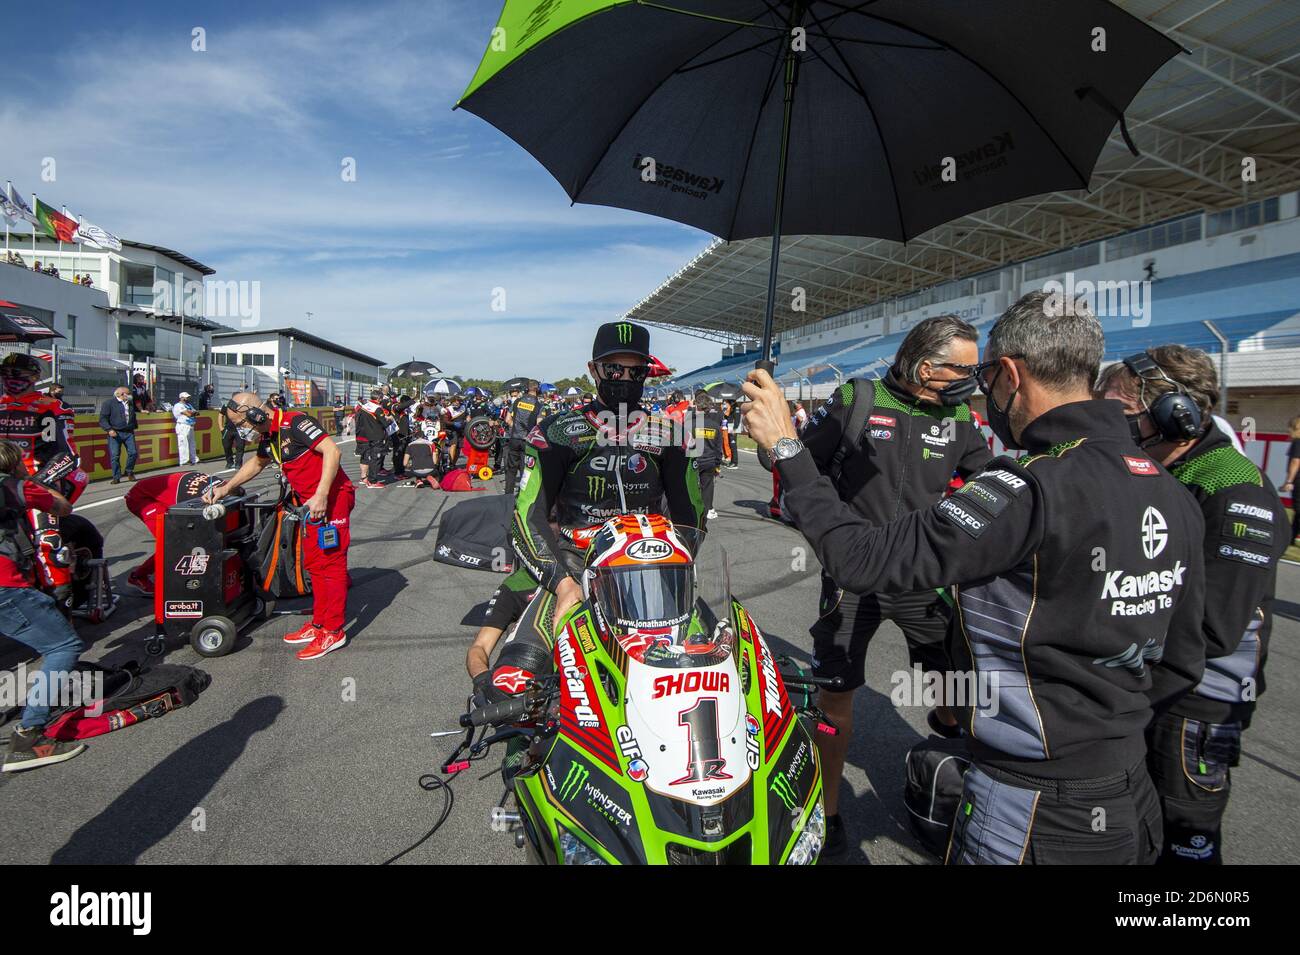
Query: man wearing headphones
(1168, 394)
(309, 459)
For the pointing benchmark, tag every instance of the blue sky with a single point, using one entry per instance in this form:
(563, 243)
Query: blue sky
(234, 157)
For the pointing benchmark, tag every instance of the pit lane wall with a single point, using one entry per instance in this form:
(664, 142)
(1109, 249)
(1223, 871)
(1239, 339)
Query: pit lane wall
(155, 439)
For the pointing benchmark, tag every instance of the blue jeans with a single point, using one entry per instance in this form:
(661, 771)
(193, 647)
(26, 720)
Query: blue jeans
(30, 617)
(124, 439)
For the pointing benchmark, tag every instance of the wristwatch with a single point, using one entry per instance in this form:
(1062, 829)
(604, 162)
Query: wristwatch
(785, 448)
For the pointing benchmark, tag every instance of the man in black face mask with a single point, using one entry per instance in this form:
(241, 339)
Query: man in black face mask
(912, 430)
(1073, 571)
(581, 468)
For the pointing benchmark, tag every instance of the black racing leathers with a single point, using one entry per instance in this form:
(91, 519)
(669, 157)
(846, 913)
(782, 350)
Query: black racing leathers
(579, 472)
(907, 453)
(1073, 570)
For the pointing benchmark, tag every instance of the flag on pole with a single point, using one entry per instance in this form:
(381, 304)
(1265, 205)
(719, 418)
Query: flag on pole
(93, 235)
(55, 223)
(15, 200)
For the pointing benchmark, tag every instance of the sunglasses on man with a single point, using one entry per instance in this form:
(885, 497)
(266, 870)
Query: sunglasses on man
(613, 371)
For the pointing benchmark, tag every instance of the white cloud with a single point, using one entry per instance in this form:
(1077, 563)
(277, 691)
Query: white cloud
(234, 156)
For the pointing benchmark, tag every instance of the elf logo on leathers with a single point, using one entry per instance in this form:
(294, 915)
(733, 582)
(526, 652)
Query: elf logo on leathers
(1154, 533)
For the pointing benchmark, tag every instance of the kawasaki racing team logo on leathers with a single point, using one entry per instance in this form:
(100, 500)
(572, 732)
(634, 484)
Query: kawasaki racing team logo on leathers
(580, 716)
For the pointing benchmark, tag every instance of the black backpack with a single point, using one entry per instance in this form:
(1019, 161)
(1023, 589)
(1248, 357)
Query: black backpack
(932, 793)
(280, 566)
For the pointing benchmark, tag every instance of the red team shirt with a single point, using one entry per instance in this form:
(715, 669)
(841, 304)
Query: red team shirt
(297, 435)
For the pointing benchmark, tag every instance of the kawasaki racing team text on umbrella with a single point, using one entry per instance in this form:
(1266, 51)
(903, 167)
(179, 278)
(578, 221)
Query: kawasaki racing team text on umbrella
(834, 117)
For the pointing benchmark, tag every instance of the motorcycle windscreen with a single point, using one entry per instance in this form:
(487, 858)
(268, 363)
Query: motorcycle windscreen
(684, 700)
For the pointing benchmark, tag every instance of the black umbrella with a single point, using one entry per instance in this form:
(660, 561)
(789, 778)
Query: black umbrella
(414, 369)
(748, 118)
(17, 326)
(515, 384)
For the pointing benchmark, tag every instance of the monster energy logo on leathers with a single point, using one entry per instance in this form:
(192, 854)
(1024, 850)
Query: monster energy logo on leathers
(573, 780)
(625, 333)
(782, 786)
(595, 487)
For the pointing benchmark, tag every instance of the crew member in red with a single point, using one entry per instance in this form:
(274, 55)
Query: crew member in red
(149, 499)
(42, 427)
(309, 459)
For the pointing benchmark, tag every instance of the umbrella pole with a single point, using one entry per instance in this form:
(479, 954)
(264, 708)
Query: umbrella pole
(791, 77)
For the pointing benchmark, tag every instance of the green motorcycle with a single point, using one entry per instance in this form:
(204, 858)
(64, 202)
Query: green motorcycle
(667, 733)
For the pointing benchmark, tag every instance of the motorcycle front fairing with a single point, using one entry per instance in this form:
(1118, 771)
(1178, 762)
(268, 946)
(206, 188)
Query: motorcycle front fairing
(667, 756)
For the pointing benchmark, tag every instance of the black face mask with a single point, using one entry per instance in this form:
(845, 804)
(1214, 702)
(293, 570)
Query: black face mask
(1000, 420)
(621, 392)
(956, 392)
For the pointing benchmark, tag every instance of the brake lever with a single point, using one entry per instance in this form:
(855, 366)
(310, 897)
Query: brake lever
(485, 744)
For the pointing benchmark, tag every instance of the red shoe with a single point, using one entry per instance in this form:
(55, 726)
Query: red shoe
(140, 582)
(304, 634)
(368, 483)
(326, 640)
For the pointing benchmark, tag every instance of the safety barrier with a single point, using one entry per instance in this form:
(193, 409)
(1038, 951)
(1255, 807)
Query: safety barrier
(155, 440)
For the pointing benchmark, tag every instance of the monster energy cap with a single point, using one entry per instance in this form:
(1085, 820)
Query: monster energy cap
(621, 338)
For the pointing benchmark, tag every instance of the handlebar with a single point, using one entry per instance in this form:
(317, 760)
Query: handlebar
(507, 711)
(832, 682)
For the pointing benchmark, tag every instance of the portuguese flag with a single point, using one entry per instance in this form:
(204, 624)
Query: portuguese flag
(55, 223)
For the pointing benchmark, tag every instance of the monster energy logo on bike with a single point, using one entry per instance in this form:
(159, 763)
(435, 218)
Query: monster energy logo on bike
(573, 781)
(625, 333)
(595, 487)
(784, 790)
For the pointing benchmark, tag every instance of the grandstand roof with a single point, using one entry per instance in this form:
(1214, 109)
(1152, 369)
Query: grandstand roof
(1235, 93)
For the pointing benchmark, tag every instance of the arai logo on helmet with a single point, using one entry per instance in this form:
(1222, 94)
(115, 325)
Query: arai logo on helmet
(649, 548)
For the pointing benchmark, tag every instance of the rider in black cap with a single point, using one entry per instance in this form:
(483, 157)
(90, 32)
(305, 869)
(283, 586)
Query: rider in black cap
(581, 468)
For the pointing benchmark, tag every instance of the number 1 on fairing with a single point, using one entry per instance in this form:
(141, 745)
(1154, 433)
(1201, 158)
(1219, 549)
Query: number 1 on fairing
(705, 761)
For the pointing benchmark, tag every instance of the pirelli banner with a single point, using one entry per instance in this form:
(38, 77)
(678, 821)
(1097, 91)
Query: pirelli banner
(155, 439)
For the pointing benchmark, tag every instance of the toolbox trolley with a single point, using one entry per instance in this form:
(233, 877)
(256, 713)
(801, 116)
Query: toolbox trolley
(207, 587)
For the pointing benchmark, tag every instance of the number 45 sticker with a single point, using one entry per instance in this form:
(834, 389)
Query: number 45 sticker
(703, 742)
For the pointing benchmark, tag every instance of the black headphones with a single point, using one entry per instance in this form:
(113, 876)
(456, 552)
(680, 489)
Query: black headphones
(1174, 413)
(253, 415)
